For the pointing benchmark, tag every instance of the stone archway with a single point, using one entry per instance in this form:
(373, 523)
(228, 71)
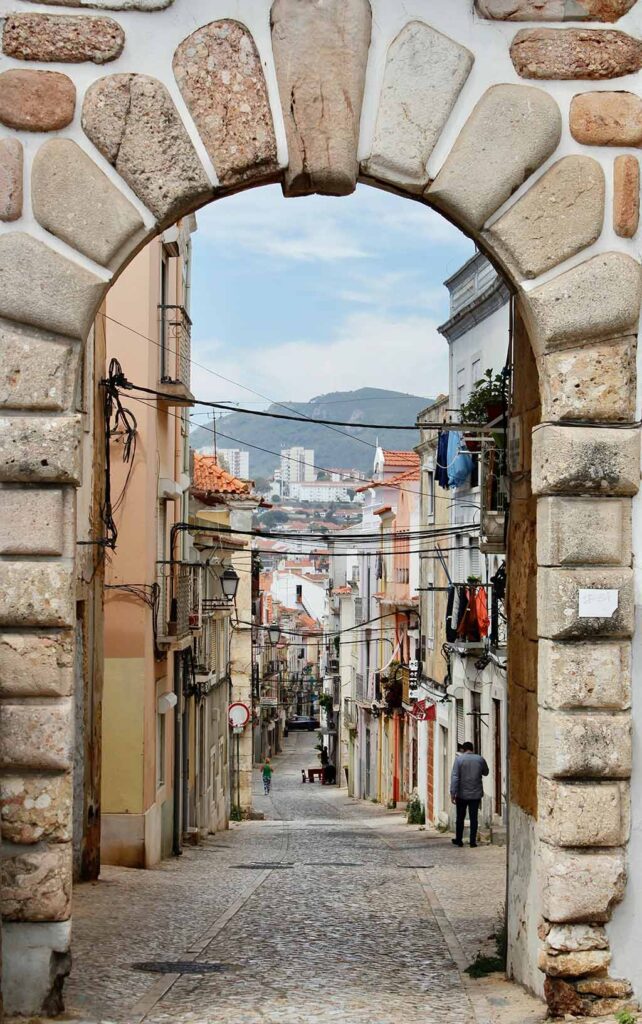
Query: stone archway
(317, 94)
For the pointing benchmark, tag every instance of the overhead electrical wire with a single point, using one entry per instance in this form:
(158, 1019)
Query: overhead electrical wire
(322, 469)
(127, 385)
(229, 380)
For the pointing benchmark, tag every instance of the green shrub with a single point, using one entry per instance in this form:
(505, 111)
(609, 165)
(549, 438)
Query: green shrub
(415, 813)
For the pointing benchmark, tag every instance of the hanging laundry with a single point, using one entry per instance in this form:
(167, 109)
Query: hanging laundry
(474, 621)
(441, 472)
(459, 462)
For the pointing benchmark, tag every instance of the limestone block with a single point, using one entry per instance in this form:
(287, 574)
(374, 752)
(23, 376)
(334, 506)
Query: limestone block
(569, 938)
(598, 299)
(38, 371)
(512, 130)
(612, 988)
(580, 887)
(36, 101)
(424, 74)
(35, 449)
(37, 594)
(585, 460)
(33, 521)
(606, 118)
(35, 962)
(321, 51)
(219, 72)
(563, 53)
(583, 814)
(36, 808)
(64, 39)
(553, 10)
(133, 122)
(585, 675)
(42, 288)
(584, 531)
(37, 736)
(564, 598)
(573, 964)
(36, 664)
(584, 745)
(610, 1007)
(36, 884)
(112, 5)
(559, 216)
(11, 171)
(626, 195)
(72, 198)
(594, 382)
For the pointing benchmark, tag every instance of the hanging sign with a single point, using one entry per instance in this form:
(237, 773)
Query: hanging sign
(424, 712)
(238, 715)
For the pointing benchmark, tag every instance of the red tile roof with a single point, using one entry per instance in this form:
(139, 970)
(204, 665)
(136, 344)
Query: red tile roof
(209, 478)
(397, 458)
(342, 590)
(382, 510)
(409, 475)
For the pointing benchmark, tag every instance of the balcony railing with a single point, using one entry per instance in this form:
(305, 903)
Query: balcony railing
(179, 600)
(176, 352)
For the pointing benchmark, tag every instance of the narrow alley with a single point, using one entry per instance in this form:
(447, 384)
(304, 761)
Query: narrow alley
(327, 910)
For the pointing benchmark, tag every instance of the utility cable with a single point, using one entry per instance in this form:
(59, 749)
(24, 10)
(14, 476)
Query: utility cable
(126, 385)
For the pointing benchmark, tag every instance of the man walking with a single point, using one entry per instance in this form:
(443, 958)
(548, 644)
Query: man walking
(466, 791)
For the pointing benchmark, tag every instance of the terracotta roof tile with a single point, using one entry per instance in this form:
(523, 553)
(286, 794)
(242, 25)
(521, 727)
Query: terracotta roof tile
(398, 458)
(209, 478)
(408, 476)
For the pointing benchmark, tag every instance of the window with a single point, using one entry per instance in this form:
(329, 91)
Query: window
(164, 300)
(476, 371)
(461, 387)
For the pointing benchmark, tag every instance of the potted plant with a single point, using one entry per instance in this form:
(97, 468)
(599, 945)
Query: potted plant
(487, 399)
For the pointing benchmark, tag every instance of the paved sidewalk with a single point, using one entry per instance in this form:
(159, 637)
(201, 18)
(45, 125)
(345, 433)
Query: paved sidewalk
(329, 910)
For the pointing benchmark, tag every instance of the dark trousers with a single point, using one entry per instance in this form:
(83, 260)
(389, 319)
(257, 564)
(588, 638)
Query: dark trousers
(472, 806)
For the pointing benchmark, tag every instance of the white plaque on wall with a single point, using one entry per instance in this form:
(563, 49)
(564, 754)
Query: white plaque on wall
(598, 604)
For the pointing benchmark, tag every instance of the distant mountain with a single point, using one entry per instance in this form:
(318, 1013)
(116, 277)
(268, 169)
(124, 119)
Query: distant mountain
(333, 446)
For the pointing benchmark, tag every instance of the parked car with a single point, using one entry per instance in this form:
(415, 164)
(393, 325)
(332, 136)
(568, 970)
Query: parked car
(302, 722)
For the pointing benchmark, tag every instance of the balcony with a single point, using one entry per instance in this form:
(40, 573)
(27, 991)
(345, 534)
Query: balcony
(176, 351)
(179, 603)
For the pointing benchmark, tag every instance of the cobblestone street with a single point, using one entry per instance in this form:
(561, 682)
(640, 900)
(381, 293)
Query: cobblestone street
(328, 910)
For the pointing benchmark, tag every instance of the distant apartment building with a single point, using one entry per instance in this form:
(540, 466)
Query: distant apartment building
(322, 490)
(297, 466)
(236, 461)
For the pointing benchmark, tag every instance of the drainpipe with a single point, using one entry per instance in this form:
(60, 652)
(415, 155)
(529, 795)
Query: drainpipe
(176, 823)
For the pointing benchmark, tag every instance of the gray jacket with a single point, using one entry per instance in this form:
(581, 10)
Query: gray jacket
(466, 778)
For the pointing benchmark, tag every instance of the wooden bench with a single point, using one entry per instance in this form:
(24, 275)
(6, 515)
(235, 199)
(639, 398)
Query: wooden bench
(314, 771)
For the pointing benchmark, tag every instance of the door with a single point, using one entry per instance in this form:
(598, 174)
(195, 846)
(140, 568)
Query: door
(497, 730)
(367, 766)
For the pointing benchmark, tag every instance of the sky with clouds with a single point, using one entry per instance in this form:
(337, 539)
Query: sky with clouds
(294, 298)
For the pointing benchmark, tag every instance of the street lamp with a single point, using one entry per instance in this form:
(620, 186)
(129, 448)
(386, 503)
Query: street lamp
(274, 633)
(229, 583)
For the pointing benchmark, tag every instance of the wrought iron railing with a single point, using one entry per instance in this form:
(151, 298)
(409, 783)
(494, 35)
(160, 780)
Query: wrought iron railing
(176, 345)
(175, 605)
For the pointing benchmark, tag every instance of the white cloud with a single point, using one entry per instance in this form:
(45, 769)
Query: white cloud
(401, 354)
(323, 228)
(263, 223)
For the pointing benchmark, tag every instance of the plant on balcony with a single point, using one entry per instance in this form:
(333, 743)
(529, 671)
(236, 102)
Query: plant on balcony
(487, 399)
(326, 702)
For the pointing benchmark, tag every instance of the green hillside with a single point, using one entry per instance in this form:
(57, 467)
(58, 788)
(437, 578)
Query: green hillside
(334, 447)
